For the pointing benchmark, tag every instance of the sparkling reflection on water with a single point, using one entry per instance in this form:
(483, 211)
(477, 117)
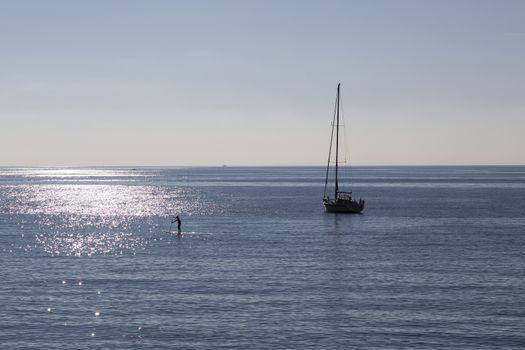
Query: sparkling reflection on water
(79, 213)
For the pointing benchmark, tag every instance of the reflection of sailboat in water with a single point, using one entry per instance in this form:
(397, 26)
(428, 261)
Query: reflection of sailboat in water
(342, 201)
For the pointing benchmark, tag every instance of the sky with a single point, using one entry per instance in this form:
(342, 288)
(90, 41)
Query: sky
(88, 83)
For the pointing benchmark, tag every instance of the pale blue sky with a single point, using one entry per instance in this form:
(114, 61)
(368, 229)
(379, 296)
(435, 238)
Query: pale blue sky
(253, 82)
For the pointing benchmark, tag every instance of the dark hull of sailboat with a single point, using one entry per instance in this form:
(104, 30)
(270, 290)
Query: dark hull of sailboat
(349, 207)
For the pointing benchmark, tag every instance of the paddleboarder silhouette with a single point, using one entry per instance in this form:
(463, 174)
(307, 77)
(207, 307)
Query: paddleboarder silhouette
(177, 220)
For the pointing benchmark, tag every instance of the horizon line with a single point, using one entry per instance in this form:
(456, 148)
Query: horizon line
(257, 165)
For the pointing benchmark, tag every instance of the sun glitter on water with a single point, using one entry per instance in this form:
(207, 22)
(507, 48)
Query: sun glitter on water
(88, 244)
(85, 212)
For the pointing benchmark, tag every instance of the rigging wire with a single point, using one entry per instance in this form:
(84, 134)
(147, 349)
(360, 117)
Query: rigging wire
(330, 148)
(346, 143)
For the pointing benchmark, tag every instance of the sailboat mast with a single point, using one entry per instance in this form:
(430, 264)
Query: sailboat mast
(337, 146)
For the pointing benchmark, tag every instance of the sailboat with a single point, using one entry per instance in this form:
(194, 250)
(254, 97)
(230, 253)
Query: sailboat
(342, 202)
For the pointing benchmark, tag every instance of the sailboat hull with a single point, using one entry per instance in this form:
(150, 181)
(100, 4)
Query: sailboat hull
(349, 207)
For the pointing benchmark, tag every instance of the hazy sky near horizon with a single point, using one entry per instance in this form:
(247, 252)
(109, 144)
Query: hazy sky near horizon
(253, 82)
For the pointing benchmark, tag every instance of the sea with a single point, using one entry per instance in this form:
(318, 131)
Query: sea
(90, 259)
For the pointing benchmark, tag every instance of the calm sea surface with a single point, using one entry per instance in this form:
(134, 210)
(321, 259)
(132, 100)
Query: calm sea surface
(88, 259)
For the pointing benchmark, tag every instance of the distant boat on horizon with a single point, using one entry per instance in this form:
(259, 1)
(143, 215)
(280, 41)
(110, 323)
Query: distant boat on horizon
(342, 202)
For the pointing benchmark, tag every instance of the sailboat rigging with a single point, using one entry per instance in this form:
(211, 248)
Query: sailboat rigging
(342, 202)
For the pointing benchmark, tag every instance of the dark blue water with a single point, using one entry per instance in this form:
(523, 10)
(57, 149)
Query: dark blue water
(88, 259)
